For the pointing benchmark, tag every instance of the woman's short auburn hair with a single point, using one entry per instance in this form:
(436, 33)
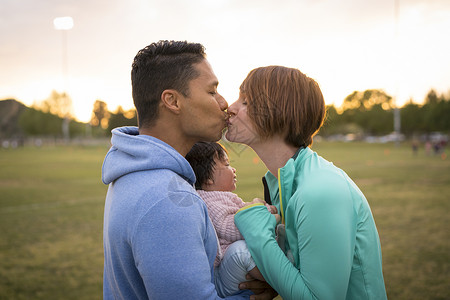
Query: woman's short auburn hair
(284, 101)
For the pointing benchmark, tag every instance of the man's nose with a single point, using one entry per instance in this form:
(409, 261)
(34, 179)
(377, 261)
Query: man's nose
(222, 102)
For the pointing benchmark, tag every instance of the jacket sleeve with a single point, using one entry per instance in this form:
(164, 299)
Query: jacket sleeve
(322, 225)
(169, 247)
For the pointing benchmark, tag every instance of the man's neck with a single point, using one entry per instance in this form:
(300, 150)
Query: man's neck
(169, 136)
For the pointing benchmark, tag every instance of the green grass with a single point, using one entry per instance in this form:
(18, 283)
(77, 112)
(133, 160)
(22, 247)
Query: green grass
(51, 211)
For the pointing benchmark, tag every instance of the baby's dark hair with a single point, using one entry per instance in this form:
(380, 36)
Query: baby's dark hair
(201, 158)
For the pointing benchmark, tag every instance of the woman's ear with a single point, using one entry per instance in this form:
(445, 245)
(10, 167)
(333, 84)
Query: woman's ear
(170, 99)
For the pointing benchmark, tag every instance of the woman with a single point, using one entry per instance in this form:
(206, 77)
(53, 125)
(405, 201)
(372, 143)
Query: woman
(331, 237)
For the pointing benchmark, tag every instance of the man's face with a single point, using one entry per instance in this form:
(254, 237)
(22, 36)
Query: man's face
(203, 114)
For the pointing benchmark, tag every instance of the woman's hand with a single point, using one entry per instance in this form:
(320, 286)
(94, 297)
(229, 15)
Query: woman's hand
(262, 290)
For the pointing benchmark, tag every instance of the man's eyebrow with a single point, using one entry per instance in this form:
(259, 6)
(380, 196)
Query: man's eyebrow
(214, 83)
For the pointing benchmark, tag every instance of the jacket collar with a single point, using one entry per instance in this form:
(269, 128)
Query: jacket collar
(286, 182)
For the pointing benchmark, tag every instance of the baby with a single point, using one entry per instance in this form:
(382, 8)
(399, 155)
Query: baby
(216, 180)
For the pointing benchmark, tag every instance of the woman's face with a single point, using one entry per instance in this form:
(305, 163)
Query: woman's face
(240, 128)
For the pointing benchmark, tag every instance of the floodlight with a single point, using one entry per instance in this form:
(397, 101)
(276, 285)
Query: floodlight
(63, 23)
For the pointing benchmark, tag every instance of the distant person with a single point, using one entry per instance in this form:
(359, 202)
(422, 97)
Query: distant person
(428, 147)
(159, 242)
(216, 181)
(415, 147)
(329, 225)
(442, 145)
(436, 147)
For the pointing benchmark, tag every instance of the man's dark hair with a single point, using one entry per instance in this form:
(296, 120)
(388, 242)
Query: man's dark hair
(160, 66)
(201, 158)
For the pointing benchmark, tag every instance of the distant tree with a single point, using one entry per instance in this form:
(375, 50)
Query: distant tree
(10, 111)
(433, 115)
(432, 97)
(333, 123)
(331, 115)
(35, 122)
(436, 114)
(122, 118)
(411, 118)
(377, 120)
(100, 114)
(442, 115)
(370, 110)
(59, 104)
(365, 100)
(77, 129)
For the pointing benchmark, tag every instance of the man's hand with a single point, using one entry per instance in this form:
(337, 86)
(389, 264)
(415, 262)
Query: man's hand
(262, 290)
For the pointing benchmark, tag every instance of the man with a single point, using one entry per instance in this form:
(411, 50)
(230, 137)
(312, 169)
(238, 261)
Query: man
(159, 242)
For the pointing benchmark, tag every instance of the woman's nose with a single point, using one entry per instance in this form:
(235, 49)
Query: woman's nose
(232, 109)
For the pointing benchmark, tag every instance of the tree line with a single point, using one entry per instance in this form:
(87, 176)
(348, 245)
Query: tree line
(371, 113)
(53, 117)
(363, 113)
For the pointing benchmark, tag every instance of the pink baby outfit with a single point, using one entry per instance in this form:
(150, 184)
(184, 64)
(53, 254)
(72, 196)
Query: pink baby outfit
(221, 208)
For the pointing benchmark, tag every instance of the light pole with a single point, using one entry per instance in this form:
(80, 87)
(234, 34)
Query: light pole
(397, 121)
(64, 24)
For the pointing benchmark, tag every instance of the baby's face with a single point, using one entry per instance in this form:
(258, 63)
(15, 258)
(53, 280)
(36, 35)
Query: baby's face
(224, 176)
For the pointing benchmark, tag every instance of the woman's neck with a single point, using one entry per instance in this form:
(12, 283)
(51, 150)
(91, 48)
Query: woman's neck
(274, 152)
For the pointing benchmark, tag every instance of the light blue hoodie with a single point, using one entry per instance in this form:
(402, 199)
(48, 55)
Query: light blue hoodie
(158, 240)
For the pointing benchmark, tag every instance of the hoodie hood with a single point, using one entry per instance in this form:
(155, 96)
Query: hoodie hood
(131, 152)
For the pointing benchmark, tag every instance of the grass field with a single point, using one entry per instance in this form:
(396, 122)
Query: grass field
(51, 210)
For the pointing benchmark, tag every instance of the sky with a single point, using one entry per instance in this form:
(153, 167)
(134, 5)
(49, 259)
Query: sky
(345, 45)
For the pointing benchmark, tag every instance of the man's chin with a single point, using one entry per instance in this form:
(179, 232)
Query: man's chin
(217, 137)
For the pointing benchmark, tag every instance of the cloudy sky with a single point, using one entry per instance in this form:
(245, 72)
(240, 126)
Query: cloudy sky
(345, 45)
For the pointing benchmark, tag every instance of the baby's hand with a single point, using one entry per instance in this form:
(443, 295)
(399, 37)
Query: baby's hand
(277, 217)
(271, 208)
(274, 211)
(257, 200)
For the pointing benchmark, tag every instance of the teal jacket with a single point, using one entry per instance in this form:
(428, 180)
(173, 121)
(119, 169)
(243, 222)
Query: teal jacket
(330, 232)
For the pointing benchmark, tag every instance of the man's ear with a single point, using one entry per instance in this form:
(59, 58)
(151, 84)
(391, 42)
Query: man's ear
(170, 99)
